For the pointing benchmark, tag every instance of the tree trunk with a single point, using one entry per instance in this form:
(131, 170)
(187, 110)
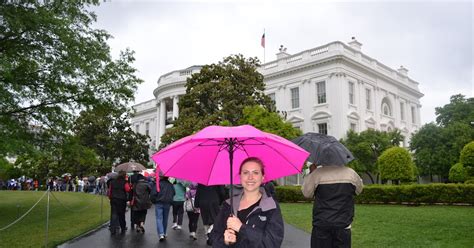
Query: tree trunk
(370, 176)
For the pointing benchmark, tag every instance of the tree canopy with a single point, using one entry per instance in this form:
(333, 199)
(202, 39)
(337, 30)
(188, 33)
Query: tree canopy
(217, 95)
(52, 65)
(436, 147)
(459, 109)
(367, 146)
(107, 131)
(270, 122)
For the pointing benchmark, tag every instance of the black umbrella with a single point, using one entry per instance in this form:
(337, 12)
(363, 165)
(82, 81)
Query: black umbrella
(130, 167)
(324, 149)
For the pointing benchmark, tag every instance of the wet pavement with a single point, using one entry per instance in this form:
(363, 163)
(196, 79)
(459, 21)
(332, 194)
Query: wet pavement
(101, 237)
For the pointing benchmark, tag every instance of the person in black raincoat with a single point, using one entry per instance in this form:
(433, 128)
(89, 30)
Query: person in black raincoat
(118, 195)
(140, 202)
(208, 200)
(257, 220)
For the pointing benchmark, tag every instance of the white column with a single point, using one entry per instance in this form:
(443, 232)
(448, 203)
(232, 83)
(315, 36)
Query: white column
(175, 107)
(157, 125)
(162, 118)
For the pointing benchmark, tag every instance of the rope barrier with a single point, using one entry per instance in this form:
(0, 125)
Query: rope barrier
(73, 210)
(21, 217)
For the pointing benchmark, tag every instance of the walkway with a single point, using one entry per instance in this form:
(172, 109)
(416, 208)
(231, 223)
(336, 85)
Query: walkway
(102, 238)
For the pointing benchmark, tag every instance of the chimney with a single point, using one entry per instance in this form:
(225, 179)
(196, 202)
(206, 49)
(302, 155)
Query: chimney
(282, 52)
(402, 70)
(355, 44)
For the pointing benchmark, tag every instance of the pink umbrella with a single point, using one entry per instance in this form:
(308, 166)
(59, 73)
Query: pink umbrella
(208, 157)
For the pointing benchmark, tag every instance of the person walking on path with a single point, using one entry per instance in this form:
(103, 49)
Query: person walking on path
(256, 219)
(132, 180)
(192, 211)
(333, 189)
(208, 200)
(118, 190)
(140, 203)
(178, 202)
(162, 201)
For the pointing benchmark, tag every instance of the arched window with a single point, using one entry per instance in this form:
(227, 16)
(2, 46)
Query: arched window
(386, 107)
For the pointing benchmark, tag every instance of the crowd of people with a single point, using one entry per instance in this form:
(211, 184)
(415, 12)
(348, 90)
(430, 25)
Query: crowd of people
(68, 183)
(256, 216)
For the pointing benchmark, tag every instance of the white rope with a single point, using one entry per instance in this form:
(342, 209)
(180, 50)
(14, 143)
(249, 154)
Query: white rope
(27, 212)
(72, 210)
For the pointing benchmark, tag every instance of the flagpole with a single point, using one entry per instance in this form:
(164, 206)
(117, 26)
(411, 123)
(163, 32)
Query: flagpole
(264, 47)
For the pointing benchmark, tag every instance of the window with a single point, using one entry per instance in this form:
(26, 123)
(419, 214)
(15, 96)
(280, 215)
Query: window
(272, 97)
(295, 98)
(351, 92)
(367, 99)
(413, 120)
(321, 91)
(402, 111)
(137, 128)
(386, 107)
(147, 128)
(323, 128)
(353, 127)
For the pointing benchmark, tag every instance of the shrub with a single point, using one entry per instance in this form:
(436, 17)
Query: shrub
(407, 194)
(467, 158)
(396, 164)
(457, 173)
(290, 194)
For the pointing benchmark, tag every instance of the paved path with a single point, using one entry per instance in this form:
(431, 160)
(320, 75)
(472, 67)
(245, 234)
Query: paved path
(102, 238)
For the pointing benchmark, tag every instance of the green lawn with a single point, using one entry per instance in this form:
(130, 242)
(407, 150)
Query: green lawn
(78, 213)
(399, 226)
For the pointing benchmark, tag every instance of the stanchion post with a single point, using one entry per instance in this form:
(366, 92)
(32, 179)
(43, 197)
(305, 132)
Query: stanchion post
(101, 201)
(47, 222)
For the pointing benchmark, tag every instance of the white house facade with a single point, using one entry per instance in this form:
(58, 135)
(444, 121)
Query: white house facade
(328, 89)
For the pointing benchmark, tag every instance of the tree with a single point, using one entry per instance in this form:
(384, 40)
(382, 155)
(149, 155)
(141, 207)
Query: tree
(396, 164)
(107, 131)
(53, 63)
(436, 148)
(217, 95)
(367, 146)
(459, 109)
(467, 158)
(269, 122)
(457, 173)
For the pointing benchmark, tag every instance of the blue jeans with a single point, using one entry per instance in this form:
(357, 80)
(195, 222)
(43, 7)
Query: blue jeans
(162, 211)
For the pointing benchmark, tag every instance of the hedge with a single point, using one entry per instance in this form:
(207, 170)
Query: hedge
(400, 194)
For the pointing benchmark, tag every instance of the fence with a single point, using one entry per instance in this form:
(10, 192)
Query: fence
(48, 193)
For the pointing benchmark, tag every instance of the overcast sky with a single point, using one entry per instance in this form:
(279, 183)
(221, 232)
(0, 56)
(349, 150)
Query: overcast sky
(433, 40)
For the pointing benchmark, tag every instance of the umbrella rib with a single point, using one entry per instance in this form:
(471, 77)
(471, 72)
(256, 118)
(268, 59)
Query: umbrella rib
(281, 155)
(171, 167)
(213, 165)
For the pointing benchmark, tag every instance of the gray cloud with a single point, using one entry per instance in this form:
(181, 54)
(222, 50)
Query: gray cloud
(432, 39)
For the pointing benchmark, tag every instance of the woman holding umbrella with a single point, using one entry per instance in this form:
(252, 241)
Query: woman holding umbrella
(258, 221)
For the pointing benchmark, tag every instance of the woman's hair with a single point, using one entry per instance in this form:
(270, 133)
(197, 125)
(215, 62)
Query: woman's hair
(122, 174)
(255, 160)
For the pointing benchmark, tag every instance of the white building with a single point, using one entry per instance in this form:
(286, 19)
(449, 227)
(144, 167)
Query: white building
(328, 89)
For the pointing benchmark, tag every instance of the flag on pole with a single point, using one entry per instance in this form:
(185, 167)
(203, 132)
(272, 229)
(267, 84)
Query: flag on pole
(262, 42)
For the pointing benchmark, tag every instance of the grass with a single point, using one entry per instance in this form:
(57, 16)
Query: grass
(398, 226)
(72, 215)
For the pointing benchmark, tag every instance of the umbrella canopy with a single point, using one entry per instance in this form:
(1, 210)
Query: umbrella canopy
(324, 149)
(213, 154)
(130, 167)
(112, 175)
(66, 175)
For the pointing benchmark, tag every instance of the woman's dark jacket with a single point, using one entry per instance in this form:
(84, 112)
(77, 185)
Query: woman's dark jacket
(263, 227)
(209, 195)
(118, 189)
(141, 195)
